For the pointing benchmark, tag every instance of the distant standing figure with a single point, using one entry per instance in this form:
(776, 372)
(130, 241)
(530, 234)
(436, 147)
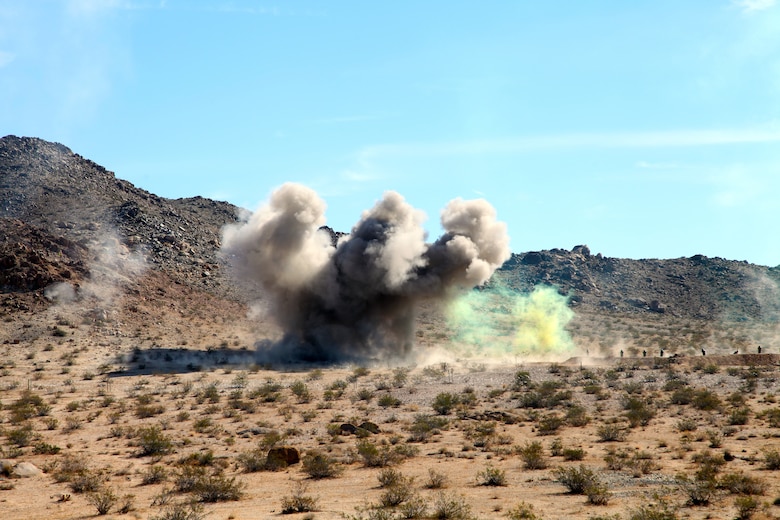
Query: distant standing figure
(662, 352)
(644, 353)
(759, 349)
(621, 353)
(703, 353)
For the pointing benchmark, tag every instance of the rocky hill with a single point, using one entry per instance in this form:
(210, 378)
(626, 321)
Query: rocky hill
(65, 218)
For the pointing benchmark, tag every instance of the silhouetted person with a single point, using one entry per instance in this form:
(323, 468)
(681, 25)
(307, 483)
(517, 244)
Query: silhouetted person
(621, 353)
(644, 353)
(703, 353)
(759, 349)
(662, 352)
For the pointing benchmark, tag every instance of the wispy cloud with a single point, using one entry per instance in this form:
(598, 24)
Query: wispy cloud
(750, 6)
(509, 145)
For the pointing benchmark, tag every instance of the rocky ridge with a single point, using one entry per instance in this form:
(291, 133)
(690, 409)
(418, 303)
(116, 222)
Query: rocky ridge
(60, 213)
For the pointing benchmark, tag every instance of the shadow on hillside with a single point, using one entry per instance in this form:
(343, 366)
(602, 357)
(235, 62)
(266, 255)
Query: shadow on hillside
(160, 360)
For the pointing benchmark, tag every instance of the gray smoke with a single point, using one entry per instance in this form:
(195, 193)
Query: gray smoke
(357, 300)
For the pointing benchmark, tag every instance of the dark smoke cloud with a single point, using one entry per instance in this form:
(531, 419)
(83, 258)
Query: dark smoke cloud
(357, 300)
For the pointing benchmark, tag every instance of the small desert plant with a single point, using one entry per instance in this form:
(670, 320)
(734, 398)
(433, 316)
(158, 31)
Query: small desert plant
(611, 433)
(638, 411)
(532, 455)
(741, 484)
(549, 424)
(576, 480)
(522, 511)
(746, 506)
(491, 476)
(389, 477)
(449, 506)
(218, 488)
(153, 441)
(319, 465)
(187, 511)
(388, 401)
(103, 500)
(252, 461)
(444, 403)
(154, 475)
(707, 400)
(424, 426)
(436, 480)
(398, 492)
(571, 454)
(299, 501)
(772, 460)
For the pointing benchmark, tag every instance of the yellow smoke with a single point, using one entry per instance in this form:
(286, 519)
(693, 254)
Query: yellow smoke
(500, 321)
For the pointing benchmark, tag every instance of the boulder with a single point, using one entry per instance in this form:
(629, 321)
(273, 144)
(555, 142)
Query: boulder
(370, 427)
(283, 456)
(26, 469)
(348, 428)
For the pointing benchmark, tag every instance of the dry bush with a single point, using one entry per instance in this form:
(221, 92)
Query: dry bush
(491, 476)
(299, 501)
(103, 500)
(319, 465)
(532, 455)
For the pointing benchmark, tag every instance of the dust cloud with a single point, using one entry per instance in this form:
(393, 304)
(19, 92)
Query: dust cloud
(357, 299)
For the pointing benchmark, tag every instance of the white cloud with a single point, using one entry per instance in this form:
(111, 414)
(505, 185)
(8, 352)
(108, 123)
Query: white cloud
(750, 6)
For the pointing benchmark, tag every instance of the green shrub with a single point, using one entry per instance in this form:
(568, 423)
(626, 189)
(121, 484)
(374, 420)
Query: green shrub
(298, 501)
(319, 465)
(102, 500)
(218, 488)
(491, 476)
(444, 403)
(576, 480)
(449, 506)
(532, 455)
(153, 441)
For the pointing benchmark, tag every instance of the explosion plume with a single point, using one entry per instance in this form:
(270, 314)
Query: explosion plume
(357, 299)
(498, 321)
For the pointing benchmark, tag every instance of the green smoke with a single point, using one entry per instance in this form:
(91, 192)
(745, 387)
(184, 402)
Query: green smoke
(500, 321)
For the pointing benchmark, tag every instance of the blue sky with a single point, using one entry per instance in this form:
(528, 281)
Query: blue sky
(645, 129)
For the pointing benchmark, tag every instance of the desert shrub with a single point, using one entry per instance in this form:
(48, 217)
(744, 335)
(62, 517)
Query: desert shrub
(638, 411)
(746, 507)
(388, 477)
(522, 511)
(186, 511)
(577, 416)
(707, 400)
(617, 460)
(69, 467)
(218, 488)
(103, 500)
(598, 493)
(546, 395)
(772, 460)
(28, 405)
(21, 436)
(687, 425)
(43, 448)
(398, 492)
(153, 441)
(252, 461)
(86, 482)
(424, 426)
(449, 506)
(319, 465)
(682, 396)
(388, 401)
(739, 416)
(154, 475)
(532, 455)
(715, 438)
(658, 511)
(772, 416)
(491, 476)
(576, 479)
(701, 488)
(571, 454)
(209, 393)
(268, 392)
(444, 403)
(611, 432)
(298, 501)
(436, 480)
(187, 478)
(741, 484)
(549, 424)
(377, 456)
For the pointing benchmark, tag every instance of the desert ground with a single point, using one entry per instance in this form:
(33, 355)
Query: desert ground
(151, 407)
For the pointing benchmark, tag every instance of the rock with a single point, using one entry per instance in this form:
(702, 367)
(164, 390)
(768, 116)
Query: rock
(283, 456)
(6, 468)
(26, 470)
(348, 428)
